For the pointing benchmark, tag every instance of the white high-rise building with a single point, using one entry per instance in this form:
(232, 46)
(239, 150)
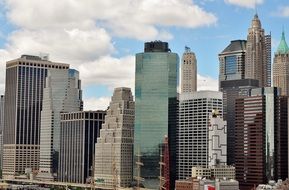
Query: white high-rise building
(217, 140)
(188, 71)
(61, 94)
(114, 147)
(193, 130)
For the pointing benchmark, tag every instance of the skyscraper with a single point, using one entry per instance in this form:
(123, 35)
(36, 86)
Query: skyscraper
(281, 67)
(217, 140)
(193, 130)
(78, 135)
(233, 89)
(155, 108)
(114, 147)
(232, 61)
(1, 128)
(188, 71)
(261, 151)
(258, 54)
(25, 81)
(61, 94)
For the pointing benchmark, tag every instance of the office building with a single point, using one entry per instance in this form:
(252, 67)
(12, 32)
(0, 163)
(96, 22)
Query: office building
(114, 147)
(232, 61)
(193, 130)
(188, 184)
(217, 139)
(61, 94)
(281, 67)
(217, 172)
(155, 109)
(188, 71)
(258, 54)
(2, 100)
(25, 81)
(233, 89)
(261, 150)
(78, 134)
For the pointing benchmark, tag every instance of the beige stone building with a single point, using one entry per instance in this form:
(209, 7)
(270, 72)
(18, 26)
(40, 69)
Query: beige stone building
(281, 67)
(114, 147)
(189, 72)
(258, 54)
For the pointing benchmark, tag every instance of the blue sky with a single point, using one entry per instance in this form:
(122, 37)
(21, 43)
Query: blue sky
(100, 38)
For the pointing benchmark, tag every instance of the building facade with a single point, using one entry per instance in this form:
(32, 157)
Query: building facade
(193, 130)
(258, 54)
(232, 89)
(61, 94)
(206, 184)
(217, 137)
(261, 151)
(281, 67)
(2, 100)
(217, 172)
(188, 184)
(78, 135)
(155, 109)
(114, 147)
(25, 81)
(188, 71)
(232, 61)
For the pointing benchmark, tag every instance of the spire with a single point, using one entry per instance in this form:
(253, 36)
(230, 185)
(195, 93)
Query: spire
(256, 23)
(283, 47)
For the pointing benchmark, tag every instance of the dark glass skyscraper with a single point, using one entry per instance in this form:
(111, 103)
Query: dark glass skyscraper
(233, 89)
(261, 151)
(78, 134)
(155, 109)
(232, 61)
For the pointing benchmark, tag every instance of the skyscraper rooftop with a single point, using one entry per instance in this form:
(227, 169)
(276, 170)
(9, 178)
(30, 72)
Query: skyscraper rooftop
(283, 47)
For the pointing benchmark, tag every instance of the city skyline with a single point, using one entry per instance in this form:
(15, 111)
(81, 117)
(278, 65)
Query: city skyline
(96, 41)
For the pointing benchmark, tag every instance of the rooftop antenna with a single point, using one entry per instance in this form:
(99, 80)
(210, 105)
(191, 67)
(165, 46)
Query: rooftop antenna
(255, 4)
(187, 49)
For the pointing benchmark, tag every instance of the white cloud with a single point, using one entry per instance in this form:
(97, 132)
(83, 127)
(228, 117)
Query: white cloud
(63, 45)
(128, 18)
(96, 103)
(81, 32)
(283, 11)
(109, 71)
(245, 3)
(207, 83)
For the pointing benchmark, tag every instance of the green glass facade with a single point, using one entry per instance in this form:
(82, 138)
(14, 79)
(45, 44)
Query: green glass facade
(155, 111)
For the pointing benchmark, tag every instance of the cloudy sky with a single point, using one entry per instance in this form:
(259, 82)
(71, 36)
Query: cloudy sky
(101, 37)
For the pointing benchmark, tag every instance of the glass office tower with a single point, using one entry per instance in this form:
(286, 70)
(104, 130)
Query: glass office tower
(155, 109)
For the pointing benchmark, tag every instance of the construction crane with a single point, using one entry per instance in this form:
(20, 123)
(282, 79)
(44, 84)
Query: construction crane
(164, 166)
(139, 164)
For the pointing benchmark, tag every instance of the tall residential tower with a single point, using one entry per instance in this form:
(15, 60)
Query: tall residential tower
(281, 67)
(188, 71)
(258, 54)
